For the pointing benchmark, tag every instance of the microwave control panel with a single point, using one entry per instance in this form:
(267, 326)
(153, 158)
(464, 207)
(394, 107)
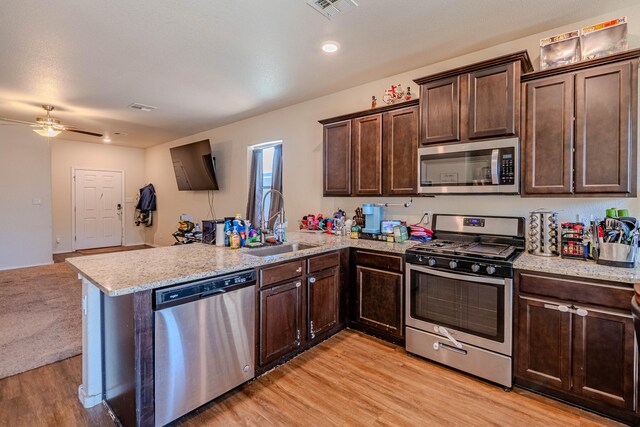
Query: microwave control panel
(507, 168)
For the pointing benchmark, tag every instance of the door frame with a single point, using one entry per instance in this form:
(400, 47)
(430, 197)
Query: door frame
(73, 203)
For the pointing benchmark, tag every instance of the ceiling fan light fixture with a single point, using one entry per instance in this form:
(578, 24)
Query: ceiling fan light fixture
(49, 132)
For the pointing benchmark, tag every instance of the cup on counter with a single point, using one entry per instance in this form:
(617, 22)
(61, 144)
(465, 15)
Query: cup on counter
(612, 213)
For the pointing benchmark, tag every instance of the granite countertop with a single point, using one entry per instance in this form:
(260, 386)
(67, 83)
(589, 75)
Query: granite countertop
(576, 268)
(123, 273)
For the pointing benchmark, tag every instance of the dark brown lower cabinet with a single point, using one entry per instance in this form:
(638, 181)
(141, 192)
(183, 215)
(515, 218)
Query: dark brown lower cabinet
(280, 320)
(322, 302)
(580, 349)
(379, 300)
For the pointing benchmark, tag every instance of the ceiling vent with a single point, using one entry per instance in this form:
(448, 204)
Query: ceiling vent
(329, 8)
(142, 107)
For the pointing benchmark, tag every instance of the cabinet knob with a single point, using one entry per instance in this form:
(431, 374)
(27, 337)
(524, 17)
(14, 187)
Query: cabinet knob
(298, 284)
(299, 270)
(312, 280)
(563, 308)
(582, 312)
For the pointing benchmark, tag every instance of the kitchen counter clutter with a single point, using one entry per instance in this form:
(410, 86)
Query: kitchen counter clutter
(123, 273)
(576, 268)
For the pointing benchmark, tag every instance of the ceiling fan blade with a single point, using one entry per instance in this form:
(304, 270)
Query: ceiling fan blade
(84, 132)
(22, 122)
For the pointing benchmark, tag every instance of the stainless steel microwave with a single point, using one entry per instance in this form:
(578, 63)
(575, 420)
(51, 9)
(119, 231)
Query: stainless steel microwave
(482, 167)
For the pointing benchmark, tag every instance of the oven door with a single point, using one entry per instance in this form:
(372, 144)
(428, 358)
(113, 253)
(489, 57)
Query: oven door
(471, 309)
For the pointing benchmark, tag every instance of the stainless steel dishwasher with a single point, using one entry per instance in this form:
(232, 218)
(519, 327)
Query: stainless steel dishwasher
(204, 342)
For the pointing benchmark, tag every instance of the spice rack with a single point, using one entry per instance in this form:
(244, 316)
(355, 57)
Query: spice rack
(573, 241)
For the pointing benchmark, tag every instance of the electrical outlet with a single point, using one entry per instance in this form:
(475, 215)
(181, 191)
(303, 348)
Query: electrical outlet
(58, 240)
(426, 219)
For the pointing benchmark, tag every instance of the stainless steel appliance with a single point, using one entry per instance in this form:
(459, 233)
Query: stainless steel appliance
(483, 167)
(459, 294)
(544, 233)
(204, 342)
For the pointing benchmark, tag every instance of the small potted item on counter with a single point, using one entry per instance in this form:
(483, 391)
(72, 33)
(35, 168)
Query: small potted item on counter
(355, 231)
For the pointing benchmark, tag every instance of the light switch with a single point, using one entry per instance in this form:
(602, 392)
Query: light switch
(36, 201)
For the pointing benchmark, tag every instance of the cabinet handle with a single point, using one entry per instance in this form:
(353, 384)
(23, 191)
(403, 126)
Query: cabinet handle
(299, 270)
(581, 312)
(298, 284)
(312, 280)
(313, 334)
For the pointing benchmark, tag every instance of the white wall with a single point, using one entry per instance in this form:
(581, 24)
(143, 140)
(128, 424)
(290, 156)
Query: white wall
(301, 133)
(71, 154)
(25, 179)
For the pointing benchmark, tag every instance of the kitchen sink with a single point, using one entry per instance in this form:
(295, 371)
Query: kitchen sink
(282, 249)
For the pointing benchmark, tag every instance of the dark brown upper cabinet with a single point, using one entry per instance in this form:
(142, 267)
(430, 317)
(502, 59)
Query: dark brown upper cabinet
(477, 101)
(384, 150)
(548, 136)
(400, 151)
(440, 104)
(492, 101)
(366, 138)
(606, 113)
(580, 128)
(337, 159)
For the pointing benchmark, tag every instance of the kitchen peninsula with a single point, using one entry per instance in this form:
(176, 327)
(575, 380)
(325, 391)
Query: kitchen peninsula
(134, 276)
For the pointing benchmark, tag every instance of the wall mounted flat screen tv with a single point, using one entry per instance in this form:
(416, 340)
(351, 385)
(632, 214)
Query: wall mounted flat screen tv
(194, 166)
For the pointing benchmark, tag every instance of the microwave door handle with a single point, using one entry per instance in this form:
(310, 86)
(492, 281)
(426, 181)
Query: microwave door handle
(495, 155)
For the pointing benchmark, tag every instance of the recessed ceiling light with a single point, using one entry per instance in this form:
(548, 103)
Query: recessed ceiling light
(330, 47)
(107, 139)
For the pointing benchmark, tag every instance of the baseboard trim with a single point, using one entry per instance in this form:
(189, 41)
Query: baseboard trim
(25, 266)
(88, 401)
(134, 244)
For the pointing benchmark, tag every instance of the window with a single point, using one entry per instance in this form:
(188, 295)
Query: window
(265, 175)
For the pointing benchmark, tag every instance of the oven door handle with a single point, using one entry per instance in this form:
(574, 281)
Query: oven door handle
(468, 278)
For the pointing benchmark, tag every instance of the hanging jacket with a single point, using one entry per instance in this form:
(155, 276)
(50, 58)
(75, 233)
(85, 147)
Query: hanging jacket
(147, 200)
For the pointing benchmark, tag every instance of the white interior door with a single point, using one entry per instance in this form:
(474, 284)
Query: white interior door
(98, 208)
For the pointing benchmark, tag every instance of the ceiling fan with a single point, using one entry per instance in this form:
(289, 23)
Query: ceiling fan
(50, 126)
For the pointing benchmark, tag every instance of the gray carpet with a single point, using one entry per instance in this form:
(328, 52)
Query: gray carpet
(40, 317)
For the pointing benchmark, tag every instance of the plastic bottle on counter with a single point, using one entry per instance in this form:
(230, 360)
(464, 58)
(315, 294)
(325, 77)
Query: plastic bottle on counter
(234, 239)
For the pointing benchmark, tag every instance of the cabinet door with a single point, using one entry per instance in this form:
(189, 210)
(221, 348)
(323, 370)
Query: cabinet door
(400, 144)
(492, 101)
(543, 343)
(367, 155)
(603, 365)
(440, 111)
(548, 136)
(337, 159)
(322, 296)
(606, 116)
(380, 300)
(280, 320)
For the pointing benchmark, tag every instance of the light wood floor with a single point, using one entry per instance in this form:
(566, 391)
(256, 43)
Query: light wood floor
(350, 379)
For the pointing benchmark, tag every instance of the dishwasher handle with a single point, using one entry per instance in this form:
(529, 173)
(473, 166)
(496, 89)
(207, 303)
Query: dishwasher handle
(212, 292)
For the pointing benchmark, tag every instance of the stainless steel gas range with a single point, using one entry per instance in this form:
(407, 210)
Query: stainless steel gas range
(459, 294)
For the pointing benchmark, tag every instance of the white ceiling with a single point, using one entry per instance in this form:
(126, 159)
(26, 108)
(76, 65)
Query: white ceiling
(206, 63)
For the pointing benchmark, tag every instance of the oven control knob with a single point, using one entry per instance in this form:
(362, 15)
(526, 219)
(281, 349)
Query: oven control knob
(491, 269)
(453, 264)
(431, 262)
(475, 268)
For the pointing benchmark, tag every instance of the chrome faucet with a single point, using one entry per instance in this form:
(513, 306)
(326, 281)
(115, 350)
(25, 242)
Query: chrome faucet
(265, 222)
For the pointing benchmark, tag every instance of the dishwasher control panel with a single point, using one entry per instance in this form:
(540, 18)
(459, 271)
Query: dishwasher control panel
(180, 294)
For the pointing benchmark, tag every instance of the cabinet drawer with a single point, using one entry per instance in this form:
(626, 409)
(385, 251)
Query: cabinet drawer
(605, 294)
(322, 262)
(380, 261)
(281, 272)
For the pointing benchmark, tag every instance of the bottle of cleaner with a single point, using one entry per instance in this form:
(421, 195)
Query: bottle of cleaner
(235, 239)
